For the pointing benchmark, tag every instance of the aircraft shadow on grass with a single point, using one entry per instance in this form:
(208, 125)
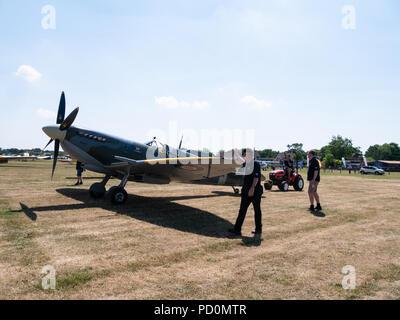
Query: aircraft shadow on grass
(161, 211)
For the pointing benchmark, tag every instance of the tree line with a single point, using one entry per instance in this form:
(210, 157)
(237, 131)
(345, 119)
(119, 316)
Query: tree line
(34, 151)
(338, 148)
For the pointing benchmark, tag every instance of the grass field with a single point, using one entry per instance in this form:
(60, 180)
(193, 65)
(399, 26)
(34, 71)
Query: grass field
(170, 242)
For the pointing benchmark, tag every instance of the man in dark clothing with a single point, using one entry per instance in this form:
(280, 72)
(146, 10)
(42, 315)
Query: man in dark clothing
(313, 176)
(288, 164)
(251, 193)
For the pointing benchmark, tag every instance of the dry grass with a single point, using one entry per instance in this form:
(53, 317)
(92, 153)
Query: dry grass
(170, 242)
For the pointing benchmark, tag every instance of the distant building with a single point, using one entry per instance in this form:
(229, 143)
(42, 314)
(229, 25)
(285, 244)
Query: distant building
(388, 165)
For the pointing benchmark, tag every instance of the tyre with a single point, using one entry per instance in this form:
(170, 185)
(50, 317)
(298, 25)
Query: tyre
(268, 185)
(117, 195)
(298, 184)
(284, 186)
(97, 190)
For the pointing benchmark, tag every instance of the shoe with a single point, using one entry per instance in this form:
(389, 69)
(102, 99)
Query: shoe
(235, 232)
(318, 207)
(311, 208)
(80, 182)
(76, 184)
(256, 232)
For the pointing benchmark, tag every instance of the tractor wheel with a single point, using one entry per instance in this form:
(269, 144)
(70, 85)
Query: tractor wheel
(298, 184)
(268, 185)
(284, 186)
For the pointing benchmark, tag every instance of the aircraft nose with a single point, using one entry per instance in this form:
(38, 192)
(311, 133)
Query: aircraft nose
(54, 132)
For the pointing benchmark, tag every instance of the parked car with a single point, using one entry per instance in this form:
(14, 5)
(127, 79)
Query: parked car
(371, 170)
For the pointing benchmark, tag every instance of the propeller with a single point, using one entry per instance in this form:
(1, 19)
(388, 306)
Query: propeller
(180, 144)
(56, 150)
(51, 140)
(61, 109)
(179, 148)
(55, 133)
(70, 120)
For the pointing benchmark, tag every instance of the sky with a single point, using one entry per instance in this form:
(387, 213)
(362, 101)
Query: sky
(267, 72)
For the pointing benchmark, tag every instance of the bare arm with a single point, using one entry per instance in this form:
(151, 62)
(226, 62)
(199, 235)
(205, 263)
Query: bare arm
(251, 191)
(255, 181)
(315, 175)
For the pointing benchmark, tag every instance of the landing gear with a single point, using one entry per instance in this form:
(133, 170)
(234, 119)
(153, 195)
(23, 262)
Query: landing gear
(235, 190)
(117, 195)
(98, 190)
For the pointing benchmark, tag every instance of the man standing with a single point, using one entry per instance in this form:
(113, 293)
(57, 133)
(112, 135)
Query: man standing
(313, 176)
(79, 170)
(251, 193)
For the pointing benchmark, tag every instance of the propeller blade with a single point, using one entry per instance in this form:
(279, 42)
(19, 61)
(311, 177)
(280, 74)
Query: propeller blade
(56, 149)
(61, 109)
(70, 119)
(51, 140)
(180, 144)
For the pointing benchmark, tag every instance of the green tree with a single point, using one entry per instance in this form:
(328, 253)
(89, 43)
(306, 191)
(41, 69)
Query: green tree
(387, 151)
(338, 163)
(297, 150)
(373, 152)
(268, 153)
(340, 147)
(329, 160)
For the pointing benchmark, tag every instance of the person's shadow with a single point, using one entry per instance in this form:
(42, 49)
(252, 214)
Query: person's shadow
(254, 241)
(318, 214)
(161, 211)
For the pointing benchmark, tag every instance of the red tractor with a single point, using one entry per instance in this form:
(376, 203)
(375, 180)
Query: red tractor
(280, 179)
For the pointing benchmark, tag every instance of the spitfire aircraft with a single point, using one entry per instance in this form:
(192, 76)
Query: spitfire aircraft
(129, 160)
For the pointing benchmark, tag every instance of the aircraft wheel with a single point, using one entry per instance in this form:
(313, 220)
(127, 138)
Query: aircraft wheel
(117, 195)
(97, 190)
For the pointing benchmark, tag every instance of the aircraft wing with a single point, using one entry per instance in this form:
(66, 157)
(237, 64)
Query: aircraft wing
(183, 169)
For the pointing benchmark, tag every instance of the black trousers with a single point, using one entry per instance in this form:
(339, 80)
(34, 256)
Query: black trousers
(244, 205)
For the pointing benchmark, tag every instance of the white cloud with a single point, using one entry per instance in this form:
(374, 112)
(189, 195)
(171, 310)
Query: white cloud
(255, 103)
(46, 114)
(172, 103)
(28, 73)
